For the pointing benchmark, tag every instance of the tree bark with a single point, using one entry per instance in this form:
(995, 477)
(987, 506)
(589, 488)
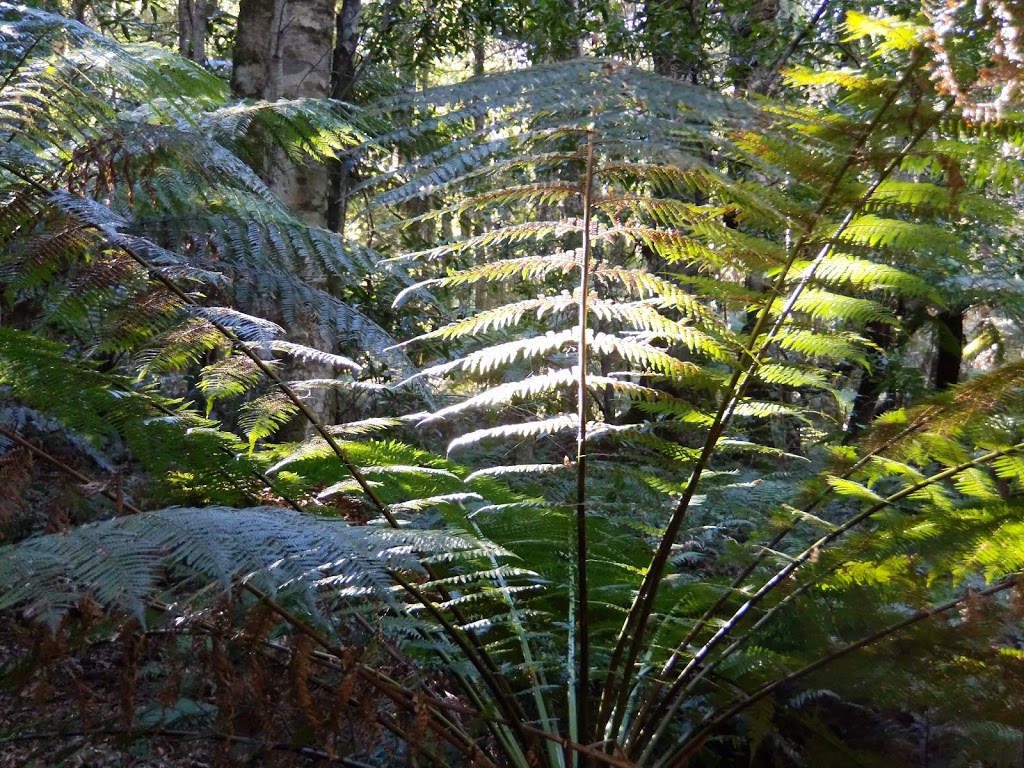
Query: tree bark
(193, 16)
(252, 40)
(283, 50)
(872, 383)
(949, 343)
(343, 80)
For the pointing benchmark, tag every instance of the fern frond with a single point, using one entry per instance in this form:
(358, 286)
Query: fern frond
(262, 417)
(491, 358)
(549, 426)
(502, 317)
(526, 268)
(831, 307)
(865, 274)
(120, 563)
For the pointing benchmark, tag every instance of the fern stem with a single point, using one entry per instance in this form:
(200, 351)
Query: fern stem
(663, 676)
(582, 592)
(487, 669)
(680, 758)
(569, 745)
(22, 59)
(101, 488)
(535, 675)
(476, 656)
(485, 665)
(693, 673)
(631, 635)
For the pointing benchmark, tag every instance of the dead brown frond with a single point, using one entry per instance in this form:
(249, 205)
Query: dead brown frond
(15, 476)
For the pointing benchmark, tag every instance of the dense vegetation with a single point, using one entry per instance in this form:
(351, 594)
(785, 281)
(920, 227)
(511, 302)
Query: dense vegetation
(660, 408)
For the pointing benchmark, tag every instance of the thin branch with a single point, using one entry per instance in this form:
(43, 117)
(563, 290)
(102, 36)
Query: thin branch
(99, 488)
(776, 68)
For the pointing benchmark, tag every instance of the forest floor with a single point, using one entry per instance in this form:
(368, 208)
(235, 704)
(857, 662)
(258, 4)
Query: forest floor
(70, 713)
(111, 702)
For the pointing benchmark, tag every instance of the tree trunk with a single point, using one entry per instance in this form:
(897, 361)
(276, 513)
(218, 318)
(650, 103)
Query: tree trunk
(283, 50)
(872, 383)
(193, 16)
(252, 61)
(949, 343)
(343, 80)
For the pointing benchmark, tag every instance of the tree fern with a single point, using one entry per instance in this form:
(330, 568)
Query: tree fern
(802, 252)
(669, 278)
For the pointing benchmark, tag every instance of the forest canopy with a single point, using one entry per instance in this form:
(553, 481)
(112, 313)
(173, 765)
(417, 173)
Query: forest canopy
(536, 384)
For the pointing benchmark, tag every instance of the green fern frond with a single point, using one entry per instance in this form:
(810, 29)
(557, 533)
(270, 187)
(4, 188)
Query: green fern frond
(831, 307)
(120, 563)
(533, 429)
(863, 274)
(262, 417)
(525, 268)
(875, 231)
(491, 358)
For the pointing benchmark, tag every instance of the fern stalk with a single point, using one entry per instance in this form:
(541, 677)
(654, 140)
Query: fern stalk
(679, 759)
(582, 614)
(445, 729)
(472, 652)
(22, 59)
(482, 661)
(244, 349)
(101, 488)
(631, 636)
(692, 673)
(538, 683)
(641, 721)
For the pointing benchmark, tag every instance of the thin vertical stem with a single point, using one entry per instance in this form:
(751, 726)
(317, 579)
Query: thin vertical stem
(631, 636)
(696, 670)
(582, 616)
(692, 742)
